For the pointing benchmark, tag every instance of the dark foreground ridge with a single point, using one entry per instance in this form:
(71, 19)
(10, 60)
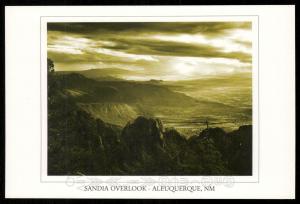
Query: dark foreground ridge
(84, 146)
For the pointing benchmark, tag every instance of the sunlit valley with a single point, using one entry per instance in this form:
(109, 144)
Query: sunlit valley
(187, 105)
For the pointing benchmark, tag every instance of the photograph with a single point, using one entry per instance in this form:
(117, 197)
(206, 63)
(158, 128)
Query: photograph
(150, 98)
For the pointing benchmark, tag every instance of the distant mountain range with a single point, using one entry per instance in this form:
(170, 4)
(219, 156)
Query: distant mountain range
(103, 73)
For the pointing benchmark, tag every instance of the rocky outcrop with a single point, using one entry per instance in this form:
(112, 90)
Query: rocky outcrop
(142, 139)
(143, 132)
(235, 147)
(240, 150)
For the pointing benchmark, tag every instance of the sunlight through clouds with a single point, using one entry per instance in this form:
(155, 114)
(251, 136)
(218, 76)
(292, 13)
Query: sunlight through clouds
(166, 51)
(226, 43)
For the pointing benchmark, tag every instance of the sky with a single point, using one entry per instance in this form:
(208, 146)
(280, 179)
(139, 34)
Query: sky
(153, 50)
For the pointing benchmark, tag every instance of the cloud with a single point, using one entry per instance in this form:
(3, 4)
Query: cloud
(155, 48)
(226, 44)
(104, 28)
(131, 57)
(150, 46)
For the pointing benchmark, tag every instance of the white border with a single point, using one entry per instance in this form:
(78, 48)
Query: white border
(276, 101)
(151, 179)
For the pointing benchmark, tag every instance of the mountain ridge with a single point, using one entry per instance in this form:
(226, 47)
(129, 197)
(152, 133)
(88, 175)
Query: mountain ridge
(95, 73)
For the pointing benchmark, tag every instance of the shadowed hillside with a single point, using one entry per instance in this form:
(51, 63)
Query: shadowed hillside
(120, 91)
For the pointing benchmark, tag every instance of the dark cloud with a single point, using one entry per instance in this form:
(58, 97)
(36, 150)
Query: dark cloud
(62, 57)
(170, 48)
(245, 43)
(90, 29)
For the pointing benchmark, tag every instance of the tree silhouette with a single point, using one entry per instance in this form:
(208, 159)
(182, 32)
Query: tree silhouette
(50, 65)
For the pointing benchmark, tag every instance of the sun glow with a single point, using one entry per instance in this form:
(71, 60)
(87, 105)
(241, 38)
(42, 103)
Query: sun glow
(184, 68)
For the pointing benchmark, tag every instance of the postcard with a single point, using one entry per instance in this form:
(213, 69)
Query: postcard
(162, 102)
